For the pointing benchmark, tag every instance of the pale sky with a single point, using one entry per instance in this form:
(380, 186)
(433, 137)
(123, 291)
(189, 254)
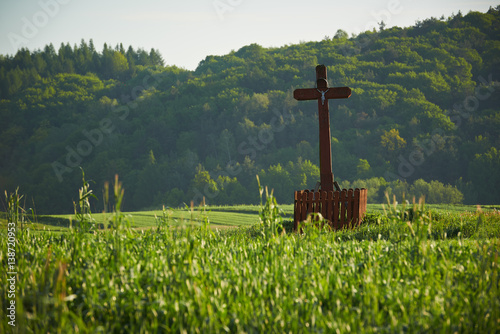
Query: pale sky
(185, 32)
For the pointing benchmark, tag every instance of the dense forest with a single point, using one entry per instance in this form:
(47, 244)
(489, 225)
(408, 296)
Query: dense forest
(423, 118)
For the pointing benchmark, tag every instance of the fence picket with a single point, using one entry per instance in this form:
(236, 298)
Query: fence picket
(343, 199)
(336, 207)
(350, 207)
(303, 214)
(356, 213)
(364, 200)
(329, 206)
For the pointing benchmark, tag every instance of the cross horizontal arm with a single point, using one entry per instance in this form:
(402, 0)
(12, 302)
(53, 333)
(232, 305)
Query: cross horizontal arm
(302, 94)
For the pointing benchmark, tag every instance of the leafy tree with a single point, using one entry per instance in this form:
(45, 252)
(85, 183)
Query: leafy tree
(392, 141)
(115, 64)
(204, 184)
(363, 168)
(341, 34)
(278, 179)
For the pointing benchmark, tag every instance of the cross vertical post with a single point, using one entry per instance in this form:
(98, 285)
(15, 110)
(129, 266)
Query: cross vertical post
(325, 141)
(323, 93)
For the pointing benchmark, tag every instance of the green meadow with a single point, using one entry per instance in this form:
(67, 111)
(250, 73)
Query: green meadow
(408, 268)
(226, 216)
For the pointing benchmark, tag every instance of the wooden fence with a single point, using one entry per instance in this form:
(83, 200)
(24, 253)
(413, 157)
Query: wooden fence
(344, 208)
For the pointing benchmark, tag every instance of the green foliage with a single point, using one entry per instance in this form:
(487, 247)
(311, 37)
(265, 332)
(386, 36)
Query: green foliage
(434, 192)
(15, 213)
(83, 213)
(483, 172)
(269, 214)
(424, 104)
(392, 141)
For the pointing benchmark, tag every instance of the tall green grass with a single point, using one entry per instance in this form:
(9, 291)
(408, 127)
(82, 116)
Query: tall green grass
(397, 275)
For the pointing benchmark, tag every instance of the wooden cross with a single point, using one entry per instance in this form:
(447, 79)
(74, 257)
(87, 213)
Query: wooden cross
(323, 93)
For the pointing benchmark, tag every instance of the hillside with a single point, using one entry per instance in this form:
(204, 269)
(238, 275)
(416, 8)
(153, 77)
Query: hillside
(424, 118)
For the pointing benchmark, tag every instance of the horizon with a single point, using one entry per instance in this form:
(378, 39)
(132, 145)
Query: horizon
(226, 25)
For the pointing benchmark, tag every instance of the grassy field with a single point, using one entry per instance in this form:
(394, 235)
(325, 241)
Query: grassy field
(220, 216)
(406, 270)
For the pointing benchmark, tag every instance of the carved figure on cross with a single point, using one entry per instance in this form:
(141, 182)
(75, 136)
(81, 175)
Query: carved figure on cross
(323, 93)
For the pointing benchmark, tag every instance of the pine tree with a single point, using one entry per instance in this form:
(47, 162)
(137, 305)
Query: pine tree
(155, 58)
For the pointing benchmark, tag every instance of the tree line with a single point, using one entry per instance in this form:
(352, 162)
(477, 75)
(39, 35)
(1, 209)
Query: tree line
(25, 67)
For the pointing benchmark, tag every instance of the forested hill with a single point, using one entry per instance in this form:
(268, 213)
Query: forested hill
(423, 118)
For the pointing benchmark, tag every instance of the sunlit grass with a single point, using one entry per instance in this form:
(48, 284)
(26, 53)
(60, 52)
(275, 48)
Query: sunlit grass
(226, 216)
(409, 269)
